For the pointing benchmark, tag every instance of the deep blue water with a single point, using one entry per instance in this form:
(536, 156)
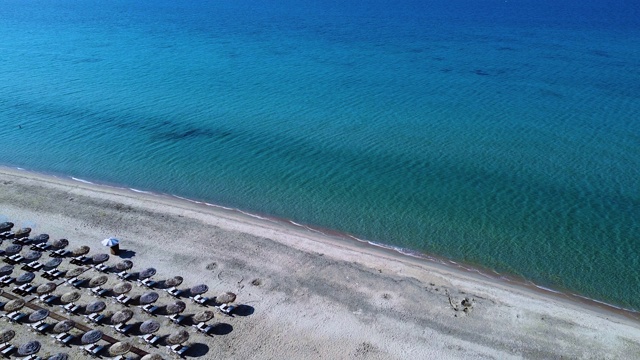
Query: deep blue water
(503, 134)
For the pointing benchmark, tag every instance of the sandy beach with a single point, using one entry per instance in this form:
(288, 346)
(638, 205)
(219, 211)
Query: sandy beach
(310, 296)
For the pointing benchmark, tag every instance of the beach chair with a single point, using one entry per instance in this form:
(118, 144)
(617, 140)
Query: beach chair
(40, 327)
(48, 298)
(123, 299)
(102, 268)
(32, 357)
(203, 327)
(226, 308)
(149, 309)
(7, 350)
(52, 274)
(177, 318)
(199, 299)
(174, 292)
(59, 253)
(123, 328)
(76, 283)
(71, 308)
(32, 266)
(95, 318)
(98, 291)
(124, 275)
(178, 349)
(93, 349)
(63, 338)
(15, 316)
(151, 339)
(147, 283)
(40, 247)
(80, 260)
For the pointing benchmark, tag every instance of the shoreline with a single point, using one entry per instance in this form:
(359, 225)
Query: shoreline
(339, 238)
(314, 295)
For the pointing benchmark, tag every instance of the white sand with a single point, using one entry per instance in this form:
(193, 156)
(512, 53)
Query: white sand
(312, 296)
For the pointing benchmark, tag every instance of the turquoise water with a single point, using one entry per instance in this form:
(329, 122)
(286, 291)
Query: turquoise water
(500, 134)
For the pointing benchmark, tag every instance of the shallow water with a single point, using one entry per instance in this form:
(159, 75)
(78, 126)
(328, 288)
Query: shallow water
(501, 134)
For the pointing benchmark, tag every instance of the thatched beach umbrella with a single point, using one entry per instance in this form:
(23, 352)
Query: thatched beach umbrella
(29, 348)
(23, 232)
(6, 226)
(95, 307)
(46, 288)
(152, 357)
(7, 335)
(99, 258)
(13, 249)
(70, 297)
(98, 281)
(75, 272)
(91, 336)
(225, 298)
(41, 238)
(174, 281)
(147, 273)
(148, 298)
(14, 305)
(149, 327)
(176, 307)
(6, 270)
(199, 289)
(122, 288)
(64, 326)
(124, 265)
(119, 348)
(82, 250)
(59, 356)
(53, 263)
(39, 315)
(25, 278)
(32, 255)
(178, 337)
(60, 243)
(203, 316)
(121, 316)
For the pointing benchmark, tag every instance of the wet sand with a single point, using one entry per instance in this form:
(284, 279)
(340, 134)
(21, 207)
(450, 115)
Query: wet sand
(308, 295)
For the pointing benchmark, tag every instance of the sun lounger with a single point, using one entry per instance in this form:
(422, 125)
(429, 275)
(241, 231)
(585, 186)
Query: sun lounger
(75, 282)
(48, 298)
(123, 299)
(99, 291)
(124, 275)
(7, 350)
(93, 349)
(6, 235)
(177, 318)
(199, 299)
(151, 339)
(95, 318)
(178, 349)
(71, 308)
(226, 308)
(203, 327)
(174, 292)
(40, 326)
(64, 338)
(80, 260)
(52, 274)
(59, 253)
(14, 259)
(21, 241)
(32, 266)
(147, 282)
(150, 309)
(101, 267)
(32, 357)
(123, 328)
(16, 316)
(40, 247)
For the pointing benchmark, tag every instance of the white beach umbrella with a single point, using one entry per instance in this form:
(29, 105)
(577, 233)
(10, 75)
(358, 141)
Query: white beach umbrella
(110, 242)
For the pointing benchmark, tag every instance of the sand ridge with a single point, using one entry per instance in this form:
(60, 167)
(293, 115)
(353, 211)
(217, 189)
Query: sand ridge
(314, 296)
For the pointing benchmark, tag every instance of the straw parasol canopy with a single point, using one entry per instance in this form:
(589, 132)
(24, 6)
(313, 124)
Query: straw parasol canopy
(199, 289)
(33, 255)
(82, 250)
(148, 298)
(29, 348)
(6, 226)
(64, 326)
(95, 307)
(59, 356)
(70, 297)
(174, 281)
(75, 272)
(149, 327)
(147, 273)
(53, 263)
(99, 258)
(152, 357)
(14, 305)
(124, 265)
(39, 315)
(119, 348)
(225, 298)
(91, 336)
(23, 232)
(122, 288)
(110, 242)
(176, 308)
(13, 249)
(41, 238)
(203, 316)
(25, 278)
(60, 243)
(6, 270)
(178, 337)
(121, 316)
(46, 288)
(7, 335)
(98, 281)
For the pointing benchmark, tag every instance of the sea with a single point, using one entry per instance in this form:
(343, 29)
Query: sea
(499, 134)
